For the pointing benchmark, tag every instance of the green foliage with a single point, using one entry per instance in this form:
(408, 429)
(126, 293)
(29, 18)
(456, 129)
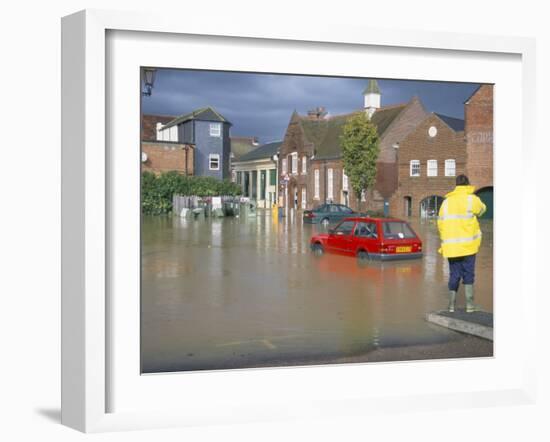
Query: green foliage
(360, 149)
(157, 190)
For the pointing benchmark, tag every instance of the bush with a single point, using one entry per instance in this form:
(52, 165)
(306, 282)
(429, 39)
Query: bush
(157, 190)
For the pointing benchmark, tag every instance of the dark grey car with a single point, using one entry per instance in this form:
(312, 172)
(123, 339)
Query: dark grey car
(326, 214)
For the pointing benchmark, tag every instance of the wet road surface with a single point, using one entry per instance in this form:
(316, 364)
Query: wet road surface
(235, 293)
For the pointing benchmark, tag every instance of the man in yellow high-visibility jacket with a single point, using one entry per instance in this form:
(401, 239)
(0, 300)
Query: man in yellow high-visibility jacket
(460, 238)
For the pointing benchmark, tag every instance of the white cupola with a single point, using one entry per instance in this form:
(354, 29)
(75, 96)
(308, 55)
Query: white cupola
(372, 97)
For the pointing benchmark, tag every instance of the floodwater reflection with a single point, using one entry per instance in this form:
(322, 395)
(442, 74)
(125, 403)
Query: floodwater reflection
(233, 293)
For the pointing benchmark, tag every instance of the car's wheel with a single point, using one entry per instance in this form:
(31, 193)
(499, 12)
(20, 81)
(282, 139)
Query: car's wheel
(318, 249)
(325, 222)
(362, 256)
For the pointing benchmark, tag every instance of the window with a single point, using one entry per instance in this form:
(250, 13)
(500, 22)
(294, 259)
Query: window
(366, 230)
(304, 165)
(345, 182)
(304, 200)
(344, 228)
(214, 161)
(450, 168)
(272, 177)
(330, 184)
(215, 129)
(294, 163)
(432, 168)
(316, 184)
(283, 166)
(415, 168)
(397, 230)
(345, 209)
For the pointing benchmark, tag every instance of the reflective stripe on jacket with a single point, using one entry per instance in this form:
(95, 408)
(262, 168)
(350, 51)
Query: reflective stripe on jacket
(458, 226)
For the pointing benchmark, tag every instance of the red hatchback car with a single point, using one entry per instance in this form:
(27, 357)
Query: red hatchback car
(370, 238)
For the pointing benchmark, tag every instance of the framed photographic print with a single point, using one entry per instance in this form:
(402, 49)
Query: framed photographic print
(250, 214)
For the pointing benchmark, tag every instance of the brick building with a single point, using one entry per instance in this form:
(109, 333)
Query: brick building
(149, 125)
(429, 159)
(163, 156)
(478, 113)
(310, 159)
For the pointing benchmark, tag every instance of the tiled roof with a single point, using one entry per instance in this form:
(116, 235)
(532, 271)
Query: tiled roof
(455, 124)
(204, 114)
(325, 134)
(242, 145)
(262, 152)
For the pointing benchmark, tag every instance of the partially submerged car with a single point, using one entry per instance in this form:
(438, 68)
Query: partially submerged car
(326, 214)
(370, 238)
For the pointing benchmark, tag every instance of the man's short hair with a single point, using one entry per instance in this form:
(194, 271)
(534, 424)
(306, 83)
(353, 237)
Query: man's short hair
(462, 180)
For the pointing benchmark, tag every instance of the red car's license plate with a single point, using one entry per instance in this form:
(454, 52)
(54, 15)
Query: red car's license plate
(403, 249)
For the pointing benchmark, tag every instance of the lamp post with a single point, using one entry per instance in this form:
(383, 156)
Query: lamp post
(149, 80)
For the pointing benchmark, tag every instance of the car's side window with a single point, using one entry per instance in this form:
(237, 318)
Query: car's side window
(345, 227)
(366, 230)
(334, 209)
(346, 209)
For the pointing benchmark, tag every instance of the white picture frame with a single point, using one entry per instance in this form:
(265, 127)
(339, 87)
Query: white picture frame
(87, 211)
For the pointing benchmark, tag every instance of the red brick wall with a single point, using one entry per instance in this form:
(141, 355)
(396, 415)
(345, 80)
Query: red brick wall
(165, 157)
(447, 144)
(478, 112)
(149, 125)
(294, 141)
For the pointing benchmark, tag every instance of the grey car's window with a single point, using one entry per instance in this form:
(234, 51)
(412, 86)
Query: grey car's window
(397, 230)
(345, 227)
(334, 209)
(321, 208)
(366, 230)
(345, 209)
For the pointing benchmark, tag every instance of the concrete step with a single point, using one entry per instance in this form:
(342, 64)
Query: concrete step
(476, 323)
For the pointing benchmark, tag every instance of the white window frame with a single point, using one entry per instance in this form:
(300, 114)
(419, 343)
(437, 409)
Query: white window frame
(215, 130)
(330, 184)
(431, 168)
(412, 164)
(345, 182)
(211, 157)
(304, 198)
(316, 184)
(304, 165)
(284, 166)
(294, 164)
(448, 167)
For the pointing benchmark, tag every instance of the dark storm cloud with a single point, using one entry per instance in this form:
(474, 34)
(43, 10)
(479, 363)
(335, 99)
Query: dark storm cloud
(261, 104)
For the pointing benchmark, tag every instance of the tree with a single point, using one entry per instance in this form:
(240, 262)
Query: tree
(360, 149)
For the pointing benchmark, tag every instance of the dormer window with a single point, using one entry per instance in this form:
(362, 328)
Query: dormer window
(215, 130)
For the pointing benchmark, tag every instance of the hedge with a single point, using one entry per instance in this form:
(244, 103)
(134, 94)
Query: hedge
(157, 190)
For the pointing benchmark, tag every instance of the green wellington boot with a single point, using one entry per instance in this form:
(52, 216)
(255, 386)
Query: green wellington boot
(452, 301)
(469, 292)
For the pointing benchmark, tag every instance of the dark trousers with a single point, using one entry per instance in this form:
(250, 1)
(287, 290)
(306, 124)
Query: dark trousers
(464, 268)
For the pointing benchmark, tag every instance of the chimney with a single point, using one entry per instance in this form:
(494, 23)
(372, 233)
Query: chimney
(372, 97)
(318, 113)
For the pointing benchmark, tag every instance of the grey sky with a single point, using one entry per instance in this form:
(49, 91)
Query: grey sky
(261, 104)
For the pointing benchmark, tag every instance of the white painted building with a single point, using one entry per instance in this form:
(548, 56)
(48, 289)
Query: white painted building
(256, 173)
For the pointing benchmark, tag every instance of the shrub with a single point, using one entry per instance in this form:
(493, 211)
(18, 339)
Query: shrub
(157, 190)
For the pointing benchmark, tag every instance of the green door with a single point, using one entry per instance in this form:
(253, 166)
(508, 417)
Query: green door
(486, 195)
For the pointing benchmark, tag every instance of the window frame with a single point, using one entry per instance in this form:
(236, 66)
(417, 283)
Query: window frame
(218, 126)
(316, 184)
(447, 162)
(430, 170)
(212, 156)
(411, 168)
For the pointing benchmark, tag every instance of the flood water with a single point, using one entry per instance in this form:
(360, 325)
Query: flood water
(234, 293)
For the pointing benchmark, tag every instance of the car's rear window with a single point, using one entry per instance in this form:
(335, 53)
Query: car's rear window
(397, 230)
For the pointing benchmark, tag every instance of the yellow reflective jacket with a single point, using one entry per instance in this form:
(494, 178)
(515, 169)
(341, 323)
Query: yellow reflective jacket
(458, 226)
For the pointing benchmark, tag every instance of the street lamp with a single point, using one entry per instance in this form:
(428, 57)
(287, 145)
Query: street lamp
(149, 80)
